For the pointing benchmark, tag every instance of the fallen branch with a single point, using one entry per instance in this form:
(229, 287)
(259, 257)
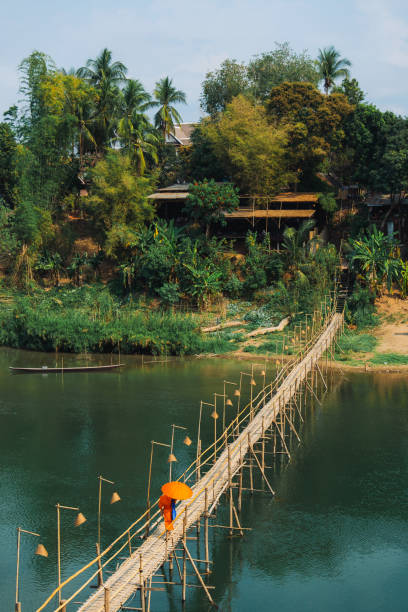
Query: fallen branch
(267, 330)
(223, 326)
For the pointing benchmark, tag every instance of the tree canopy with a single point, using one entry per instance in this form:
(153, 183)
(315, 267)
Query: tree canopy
(118, 203)
(251, 149)
(314, 123)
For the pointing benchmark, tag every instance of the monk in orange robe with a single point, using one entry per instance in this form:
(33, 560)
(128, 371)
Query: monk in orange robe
(166, 507)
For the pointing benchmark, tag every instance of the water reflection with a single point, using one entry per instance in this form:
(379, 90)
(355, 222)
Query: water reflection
(337, 538)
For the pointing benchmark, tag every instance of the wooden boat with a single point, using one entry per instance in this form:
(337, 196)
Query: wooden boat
(46, 370)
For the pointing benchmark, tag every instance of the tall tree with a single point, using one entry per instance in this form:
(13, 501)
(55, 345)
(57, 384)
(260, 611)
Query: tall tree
(331, 67)
(222, 85)
(282, 64)
(44, 161)
(135, 132)
(165, 96)
(251, 150)
(105, 76)
(103, 70)
(118, 201)
(8, 174)
(314, 124)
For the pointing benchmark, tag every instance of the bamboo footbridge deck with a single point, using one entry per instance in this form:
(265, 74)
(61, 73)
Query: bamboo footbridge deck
(213, 472)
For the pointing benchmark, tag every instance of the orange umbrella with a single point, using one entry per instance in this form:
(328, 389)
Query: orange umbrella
(177, 490)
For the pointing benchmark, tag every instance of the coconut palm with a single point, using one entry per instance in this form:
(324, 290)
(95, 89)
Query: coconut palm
(138, 137)
(134, 98)
(102, 69)
(331, 67)
(105, 76)
(166, 95)
(135, 133)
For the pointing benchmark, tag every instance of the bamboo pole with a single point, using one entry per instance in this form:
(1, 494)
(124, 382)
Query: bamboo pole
(142, 585)
(241, 472)
(207, 556)
(207, 592)
(231, 501)
(184, 577)
(106, 599)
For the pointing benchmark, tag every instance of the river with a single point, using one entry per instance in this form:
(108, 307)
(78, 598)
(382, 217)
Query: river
(334, 538)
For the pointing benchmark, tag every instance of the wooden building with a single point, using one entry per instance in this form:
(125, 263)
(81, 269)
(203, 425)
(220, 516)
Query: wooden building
(271, 214)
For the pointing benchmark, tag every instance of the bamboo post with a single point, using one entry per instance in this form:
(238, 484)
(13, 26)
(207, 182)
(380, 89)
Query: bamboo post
(100, 574)
(240, 479)
(170, 556)
(263, 444)
(64, 606)
(207, 556)
(215, 428)
(18, 604)
(106, 599)
(59, 552)
(198, 460)
(251, 478)
(231, 501)
(142, 586)
(207, 592)
(150, 584)
(129, 544)
(184, 579)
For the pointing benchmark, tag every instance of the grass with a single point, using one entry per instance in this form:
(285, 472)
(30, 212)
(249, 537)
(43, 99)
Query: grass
(352, 342)
(389, 359)
(91, 319)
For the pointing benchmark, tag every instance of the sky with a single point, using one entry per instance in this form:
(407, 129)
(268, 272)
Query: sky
(186, 39)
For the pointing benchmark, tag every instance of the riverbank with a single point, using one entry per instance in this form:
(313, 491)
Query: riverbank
(90, 319)
(381, 348)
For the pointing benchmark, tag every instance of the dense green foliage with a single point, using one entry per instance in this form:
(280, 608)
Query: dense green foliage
(374, 256)
(85, 319)
(80, 155)
(118, 204)
(207, 202)
(256, 79)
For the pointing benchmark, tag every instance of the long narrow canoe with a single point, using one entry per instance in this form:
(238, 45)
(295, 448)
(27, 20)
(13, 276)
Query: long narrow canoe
(46, 370)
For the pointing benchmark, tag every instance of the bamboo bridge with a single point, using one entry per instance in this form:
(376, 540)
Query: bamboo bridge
(271, 418)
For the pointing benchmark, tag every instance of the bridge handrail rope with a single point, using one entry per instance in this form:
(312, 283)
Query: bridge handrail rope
(202, 460)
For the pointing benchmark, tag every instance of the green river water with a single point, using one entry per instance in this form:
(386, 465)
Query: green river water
(335, 538)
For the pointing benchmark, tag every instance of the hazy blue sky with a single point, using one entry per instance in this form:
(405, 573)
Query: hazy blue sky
(185, 39)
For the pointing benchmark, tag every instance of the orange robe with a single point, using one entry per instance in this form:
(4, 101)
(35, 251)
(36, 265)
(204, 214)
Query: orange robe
(165, 507)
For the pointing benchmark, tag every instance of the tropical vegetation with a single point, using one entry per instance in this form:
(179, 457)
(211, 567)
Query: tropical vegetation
(84, 149)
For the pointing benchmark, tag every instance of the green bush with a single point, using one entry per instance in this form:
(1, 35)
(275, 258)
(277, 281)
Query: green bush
(169, 293)
(360, 308)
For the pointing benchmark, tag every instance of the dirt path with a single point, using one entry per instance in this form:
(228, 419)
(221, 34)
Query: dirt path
(392, 334)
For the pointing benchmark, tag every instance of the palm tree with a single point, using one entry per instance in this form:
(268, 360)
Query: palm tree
(134, 98)
(139, 139)
(102, 69)
(331, 67)
(105, 76)
(166, 95)
(135, 133)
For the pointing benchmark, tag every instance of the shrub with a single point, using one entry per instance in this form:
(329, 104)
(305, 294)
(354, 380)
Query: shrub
(169, 293)
(360, 308)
